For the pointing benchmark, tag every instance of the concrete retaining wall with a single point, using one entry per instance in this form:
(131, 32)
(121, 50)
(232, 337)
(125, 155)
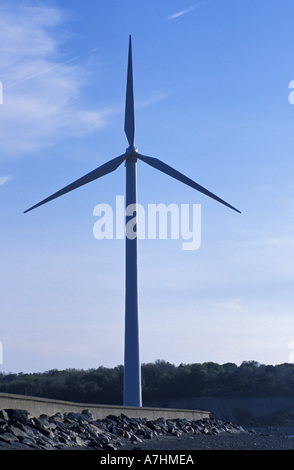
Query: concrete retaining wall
(37, 406)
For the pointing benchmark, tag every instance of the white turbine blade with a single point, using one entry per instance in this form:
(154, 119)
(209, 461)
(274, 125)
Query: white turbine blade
(159, 165)
(129, 108)
(93, 175)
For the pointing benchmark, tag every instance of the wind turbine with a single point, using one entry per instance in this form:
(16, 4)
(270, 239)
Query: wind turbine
(132, 368)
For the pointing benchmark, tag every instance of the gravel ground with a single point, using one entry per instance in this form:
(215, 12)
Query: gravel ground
(270, 438)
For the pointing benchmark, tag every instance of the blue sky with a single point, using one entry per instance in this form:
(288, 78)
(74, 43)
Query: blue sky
(211, 82)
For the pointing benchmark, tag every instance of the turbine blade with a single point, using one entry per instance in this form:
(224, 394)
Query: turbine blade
(159, 165)
(129, 108)
(93, 175)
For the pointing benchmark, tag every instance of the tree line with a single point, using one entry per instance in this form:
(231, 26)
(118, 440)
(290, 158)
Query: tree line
(161, 382)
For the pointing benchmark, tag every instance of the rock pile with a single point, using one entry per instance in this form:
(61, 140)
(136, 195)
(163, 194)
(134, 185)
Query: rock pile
(20, 430)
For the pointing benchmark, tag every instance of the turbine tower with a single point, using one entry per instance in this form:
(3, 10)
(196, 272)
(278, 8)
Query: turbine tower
(132, 368)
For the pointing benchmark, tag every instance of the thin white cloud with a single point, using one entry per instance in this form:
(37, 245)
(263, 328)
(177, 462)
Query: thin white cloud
(187, 10)
(40, 88)
(153, 99)
(44, 347)
(181, 13)
(50, 68)
(275, 241)
(230, 305)
(4, 179)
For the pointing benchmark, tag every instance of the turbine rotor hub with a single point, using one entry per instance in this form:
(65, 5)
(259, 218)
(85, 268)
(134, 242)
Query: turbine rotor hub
(131, 154)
